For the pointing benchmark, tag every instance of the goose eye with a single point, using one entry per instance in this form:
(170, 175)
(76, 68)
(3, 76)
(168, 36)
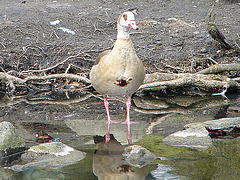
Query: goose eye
(125, 17)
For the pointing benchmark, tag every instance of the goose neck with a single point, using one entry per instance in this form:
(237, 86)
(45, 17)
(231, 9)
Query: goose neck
(123, 32)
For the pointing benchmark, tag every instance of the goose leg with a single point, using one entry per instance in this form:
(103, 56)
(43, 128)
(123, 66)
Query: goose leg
(107, 137)
(106, 104)
(109, 121)
(128, 105)
(128, 122)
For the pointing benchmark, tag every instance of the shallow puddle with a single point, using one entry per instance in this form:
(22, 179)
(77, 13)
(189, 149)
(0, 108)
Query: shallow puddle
(75, 121)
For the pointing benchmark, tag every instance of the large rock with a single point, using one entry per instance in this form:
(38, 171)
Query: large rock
(9, 136)
(11, 144)
(223, 123)
(223, 128)
(49, 155)
(194, 136)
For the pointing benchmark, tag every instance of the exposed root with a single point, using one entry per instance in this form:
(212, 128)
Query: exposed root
(218, 68)
(38, 81)
(56, 76)
(206, 80)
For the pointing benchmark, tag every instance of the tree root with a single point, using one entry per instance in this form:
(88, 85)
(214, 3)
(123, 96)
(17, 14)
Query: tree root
(209, 83)
(56, 76)
(218, 68)
(4, 77)
(205, 80)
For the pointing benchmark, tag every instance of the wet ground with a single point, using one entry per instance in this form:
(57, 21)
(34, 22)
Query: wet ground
(172, 38)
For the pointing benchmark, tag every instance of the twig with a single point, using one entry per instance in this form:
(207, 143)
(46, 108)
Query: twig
(211, 59)
(9, 78)
(96, 29)
(55, 34)
(3, 44)
(12, 79)
(69, 66)
(236, 42)
(31, 46)
(80, 67)
(176, 68)
(223, 93)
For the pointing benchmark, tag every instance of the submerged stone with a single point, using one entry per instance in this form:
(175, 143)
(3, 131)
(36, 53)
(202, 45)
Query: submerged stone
(138, 156)
(164, 172)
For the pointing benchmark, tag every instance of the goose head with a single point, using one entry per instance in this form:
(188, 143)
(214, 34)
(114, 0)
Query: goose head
(126, 21)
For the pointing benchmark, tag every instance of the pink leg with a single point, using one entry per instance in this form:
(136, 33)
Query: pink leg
(128, 104)
(128, 122)
(106, 104)
(107, 137)
(109, 121)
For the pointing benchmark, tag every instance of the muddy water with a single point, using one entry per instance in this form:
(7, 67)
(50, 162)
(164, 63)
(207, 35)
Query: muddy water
(76, 120)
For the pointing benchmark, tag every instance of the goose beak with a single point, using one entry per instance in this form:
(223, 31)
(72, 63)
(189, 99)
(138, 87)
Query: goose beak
(133, 25)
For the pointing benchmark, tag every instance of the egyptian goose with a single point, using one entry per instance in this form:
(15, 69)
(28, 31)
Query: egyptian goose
(119, 72)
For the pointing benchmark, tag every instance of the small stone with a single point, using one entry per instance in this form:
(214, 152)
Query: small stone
(203, 50)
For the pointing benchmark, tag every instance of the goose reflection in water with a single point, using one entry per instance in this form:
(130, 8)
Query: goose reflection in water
(109, 163)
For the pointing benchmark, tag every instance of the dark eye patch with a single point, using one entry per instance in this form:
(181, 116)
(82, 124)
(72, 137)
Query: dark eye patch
(125, 17)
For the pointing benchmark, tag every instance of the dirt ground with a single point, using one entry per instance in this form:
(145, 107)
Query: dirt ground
(172, 35)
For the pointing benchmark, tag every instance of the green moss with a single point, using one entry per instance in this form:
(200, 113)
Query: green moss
(12, 141)
(154, 144)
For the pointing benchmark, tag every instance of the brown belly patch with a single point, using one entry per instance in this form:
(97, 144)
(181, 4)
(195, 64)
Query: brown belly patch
(123, 82)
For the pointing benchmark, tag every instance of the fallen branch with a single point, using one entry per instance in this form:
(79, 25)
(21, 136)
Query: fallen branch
(63, 75)
(9, 78)
(218, 68)
(208, 83)
(204, 80)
